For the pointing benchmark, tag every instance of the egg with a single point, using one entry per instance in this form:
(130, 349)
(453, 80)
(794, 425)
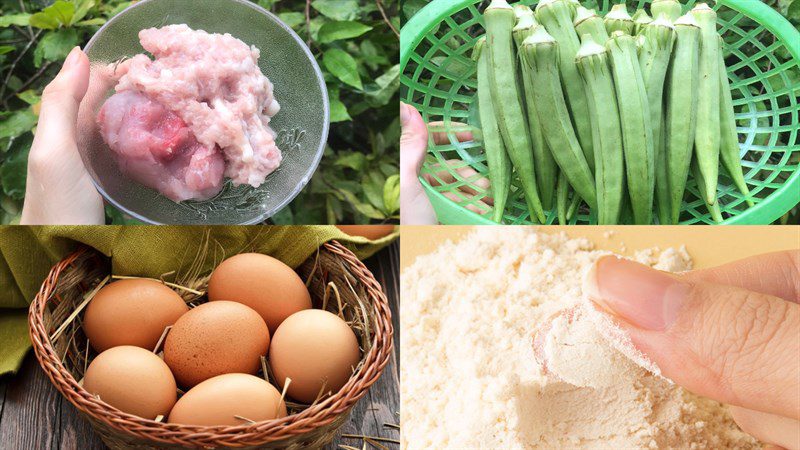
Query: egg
(213, 339)
(131, 312)
(219, 400)
(313, 347)
(371, 232)
(261, 282)
(132, 380)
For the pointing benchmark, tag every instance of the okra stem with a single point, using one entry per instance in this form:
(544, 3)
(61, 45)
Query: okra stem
(588, 22)
(618, 19)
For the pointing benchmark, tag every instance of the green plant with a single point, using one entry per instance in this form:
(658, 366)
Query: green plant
(355, 42)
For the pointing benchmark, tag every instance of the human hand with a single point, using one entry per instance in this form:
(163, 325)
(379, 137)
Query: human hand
(731, 333)
(416, 208)
(59, 189)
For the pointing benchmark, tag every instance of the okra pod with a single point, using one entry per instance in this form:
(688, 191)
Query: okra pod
(729, 137)
(618, 19)
(713, 208)
(657, 40)
(707, 139)
(574, 203)
(556, 17)
(680, 119)
(507, 102)
(592, 60)
(541, 54)
(543, 162)
(588, 22)
(562, 197)
(637, 132)
(496, 155)
(670, 8)
(640, 19)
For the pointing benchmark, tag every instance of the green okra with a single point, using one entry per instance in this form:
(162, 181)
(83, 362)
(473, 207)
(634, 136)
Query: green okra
(592, 60)
(588, 22)
(618, 19)
(637, 131)
(556, 17)
(729, 137)
(640, 19)
(507, 102)
(574, 203)
(546, 168)
(670, 8)
(496, 155)
(562, 197)
(680, 115)
(657, 40)
(541, 54)
(707, 139)
(713, 208)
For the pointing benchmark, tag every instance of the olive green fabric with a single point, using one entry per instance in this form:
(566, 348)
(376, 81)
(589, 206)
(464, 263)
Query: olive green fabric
(28, 253)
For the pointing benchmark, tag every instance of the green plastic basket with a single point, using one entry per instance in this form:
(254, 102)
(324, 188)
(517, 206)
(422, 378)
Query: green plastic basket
(761, 48)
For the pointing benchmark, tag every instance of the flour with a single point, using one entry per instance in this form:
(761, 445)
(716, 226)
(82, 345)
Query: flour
(470, 378)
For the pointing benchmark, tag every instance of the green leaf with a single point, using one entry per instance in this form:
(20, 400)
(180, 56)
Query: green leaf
(342, 66)
(337, 9)
(373, 189)
(6, 49)
(14, 170)
(388, 84)
(91, 22)
(19, 122)
(30, 97)
(55, 45)
(58, 14)
(334, 31)
(391, 194)
(21, 20)
(82, 8)
(363, 208)
(292, 19)
(793, 12)
(353, 160)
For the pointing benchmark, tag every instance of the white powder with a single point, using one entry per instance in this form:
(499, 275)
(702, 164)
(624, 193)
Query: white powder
(470, 378)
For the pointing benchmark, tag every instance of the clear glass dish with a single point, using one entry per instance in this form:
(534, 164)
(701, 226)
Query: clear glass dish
(302, 123)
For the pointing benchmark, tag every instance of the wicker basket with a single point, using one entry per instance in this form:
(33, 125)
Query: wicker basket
(64, 358)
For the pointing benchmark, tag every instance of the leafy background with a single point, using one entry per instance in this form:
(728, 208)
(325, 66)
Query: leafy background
(356, 43)
(788, 8)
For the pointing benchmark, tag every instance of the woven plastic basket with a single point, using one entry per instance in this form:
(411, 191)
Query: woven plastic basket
(761, 47)
(64, 358)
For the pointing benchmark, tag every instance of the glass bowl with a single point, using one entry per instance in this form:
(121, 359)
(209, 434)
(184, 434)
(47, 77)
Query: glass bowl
(301, 125)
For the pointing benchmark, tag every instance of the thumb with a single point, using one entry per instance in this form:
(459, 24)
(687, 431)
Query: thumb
(413, 141)
(733, 345)
(62, 97)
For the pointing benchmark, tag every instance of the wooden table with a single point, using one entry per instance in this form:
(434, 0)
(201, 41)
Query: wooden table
(33, 415)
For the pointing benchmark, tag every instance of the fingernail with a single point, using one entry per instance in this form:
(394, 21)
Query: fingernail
(640, 295)
(404, 113)
(72, 58)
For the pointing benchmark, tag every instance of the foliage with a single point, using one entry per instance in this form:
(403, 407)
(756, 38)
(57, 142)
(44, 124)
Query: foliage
(354, 41)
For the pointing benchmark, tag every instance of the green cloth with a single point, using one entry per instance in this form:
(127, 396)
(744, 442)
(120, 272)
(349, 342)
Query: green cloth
(28, 253)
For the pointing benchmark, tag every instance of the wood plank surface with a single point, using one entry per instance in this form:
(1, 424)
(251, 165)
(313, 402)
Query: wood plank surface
(33, 415)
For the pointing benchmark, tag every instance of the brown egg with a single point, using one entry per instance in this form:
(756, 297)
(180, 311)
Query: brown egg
(131, 312)
(313, 347)
(261, 282)
(213, 339)
(371, 232)
(132, 380)
(219, 400)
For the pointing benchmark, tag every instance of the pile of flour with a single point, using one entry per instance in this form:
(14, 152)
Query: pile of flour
(470, 378)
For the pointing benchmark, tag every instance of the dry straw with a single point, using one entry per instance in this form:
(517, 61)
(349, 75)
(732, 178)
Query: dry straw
(335, 278)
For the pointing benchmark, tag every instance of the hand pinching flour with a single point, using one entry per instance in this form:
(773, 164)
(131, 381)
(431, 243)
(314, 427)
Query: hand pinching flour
(470, 376)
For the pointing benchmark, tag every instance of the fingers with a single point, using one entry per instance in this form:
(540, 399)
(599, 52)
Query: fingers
(775, 274)
(413, 141)
(779, 431)
(736, 346)
(440, 137)
(61, 98)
